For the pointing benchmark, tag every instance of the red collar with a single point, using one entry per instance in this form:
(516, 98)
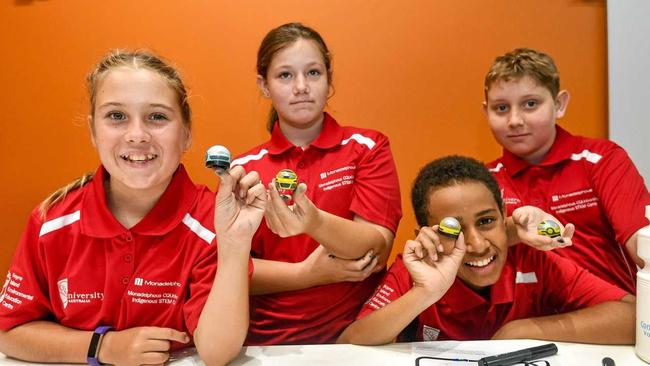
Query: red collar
(330, 135)
(561, 150)
(461, 298)
(176, 201)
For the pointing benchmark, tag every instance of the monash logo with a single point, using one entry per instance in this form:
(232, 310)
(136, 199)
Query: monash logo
(139, 281)
(62, 285)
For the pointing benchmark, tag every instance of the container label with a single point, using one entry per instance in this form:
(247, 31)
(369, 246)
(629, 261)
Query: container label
(645, 327)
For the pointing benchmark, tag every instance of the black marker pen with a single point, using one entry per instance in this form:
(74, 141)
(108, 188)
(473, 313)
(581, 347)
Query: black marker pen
(527, 354)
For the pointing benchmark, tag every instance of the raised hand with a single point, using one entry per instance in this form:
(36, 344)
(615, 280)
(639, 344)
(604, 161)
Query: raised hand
(526, 219)
(240, 204)
(432, 265)
(139, 345)
(287, 221)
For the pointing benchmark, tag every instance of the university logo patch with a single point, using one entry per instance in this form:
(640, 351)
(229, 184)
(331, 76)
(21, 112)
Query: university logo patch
(63, 291)
(430, 333)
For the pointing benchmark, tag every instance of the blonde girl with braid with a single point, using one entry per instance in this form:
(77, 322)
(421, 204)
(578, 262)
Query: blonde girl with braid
(119, 266)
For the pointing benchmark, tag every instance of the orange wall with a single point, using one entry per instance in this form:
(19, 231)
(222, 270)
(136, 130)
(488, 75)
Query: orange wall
(412, 69)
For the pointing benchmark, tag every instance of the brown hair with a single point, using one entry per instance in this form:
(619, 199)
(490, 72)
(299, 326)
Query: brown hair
(525, 62)
(446, 172)
(138, 59)
(280, 38)
(60, 193)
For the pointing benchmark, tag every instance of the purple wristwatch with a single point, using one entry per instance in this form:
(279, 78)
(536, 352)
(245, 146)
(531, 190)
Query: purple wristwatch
(95, 342)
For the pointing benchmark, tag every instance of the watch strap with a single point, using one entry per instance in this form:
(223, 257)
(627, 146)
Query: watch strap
(95, 343)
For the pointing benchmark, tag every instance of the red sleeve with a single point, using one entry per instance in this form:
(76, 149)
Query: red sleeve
(622, 191)
(569, 287)
(376, 195)
(24, 295)
(201, 278)
(395, 284)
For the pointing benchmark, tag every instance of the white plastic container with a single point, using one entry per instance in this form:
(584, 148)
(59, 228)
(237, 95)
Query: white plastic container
(642, 347)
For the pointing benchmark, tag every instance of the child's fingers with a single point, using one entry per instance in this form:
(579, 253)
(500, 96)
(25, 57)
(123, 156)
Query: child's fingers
(439, 246)
(567, 235)
(249, 180)
(429, 241)
(299, 196)
(256, 192)
(461, 247)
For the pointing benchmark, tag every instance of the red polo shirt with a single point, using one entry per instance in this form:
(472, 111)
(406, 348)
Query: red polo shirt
(81, 268)
(533, 284)
(591, 183)
(348, 171)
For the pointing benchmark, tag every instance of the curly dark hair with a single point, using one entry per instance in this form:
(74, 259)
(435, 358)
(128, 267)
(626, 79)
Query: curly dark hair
(446, 172)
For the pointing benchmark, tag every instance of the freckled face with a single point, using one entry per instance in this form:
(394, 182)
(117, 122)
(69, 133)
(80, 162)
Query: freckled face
(137, 129)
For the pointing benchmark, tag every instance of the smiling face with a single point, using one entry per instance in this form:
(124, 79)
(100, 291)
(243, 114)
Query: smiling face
(522, 115)
(483, 226)
(138, 130)
(297, 83)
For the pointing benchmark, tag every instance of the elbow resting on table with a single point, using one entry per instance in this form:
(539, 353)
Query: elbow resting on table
(215, 353)
(217, 357)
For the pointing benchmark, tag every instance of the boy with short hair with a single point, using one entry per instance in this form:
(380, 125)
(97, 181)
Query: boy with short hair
(476, 287)
(591, 183)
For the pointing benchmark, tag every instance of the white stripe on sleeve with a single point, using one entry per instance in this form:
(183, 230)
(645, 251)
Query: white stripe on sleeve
(245, 159)
(496, 168)
(198, 229)
(587, 155)
(361, 139)
(59, 222)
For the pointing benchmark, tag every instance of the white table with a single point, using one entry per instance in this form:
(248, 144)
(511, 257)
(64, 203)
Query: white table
(570, 354)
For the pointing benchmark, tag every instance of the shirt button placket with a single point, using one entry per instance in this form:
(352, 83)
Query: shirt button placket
(301, 156)
(127, 257)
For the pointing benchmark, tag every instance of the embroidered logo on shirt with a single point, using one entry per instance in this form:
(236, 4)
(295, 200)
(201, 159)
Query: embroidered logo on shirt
(11, 295)
(430, 333)
(328, 173)
(509, 200)
(339, 177)
(73, 297)
(4, 287)
(381, 298)
(62, 285)
(152, 295)
(527, 277)
(577, 202)
(139, 281)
